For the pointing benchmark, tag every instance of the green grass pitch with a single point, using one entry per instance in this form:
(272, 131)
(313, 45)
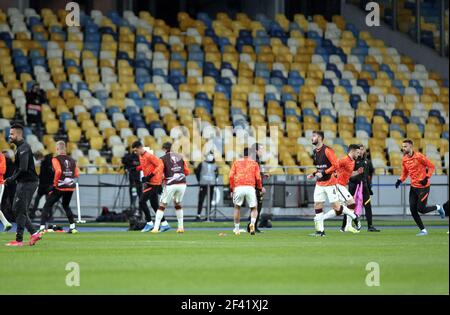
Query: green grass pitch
(283, 261)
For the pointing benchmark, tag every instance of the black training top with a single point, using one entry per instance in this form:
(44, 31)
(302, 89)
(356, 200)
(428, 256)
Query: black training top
(24, 170)
(366, 176)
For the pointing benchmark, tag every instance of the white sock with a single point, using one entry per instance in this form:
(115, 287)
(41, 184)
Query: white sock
(72, 226)
(42, 227)
(164, 223)
(349, 221)
(349, 212)
(150, 222)
(179, 214)
(3, 219)
(330, 214)
(425, 231)
(236, 226)
(253, 221)
(158, 217)
(318, 221)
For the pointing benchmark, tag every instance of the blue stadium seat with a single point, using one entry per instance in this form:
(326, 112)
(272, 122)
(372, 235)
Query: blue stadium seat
(416, 120)
(96, 109)
(310, 112)
(382, 113)
(82, 86)
(354, 100)
(65, 116)
(362, 120)
(65, 86)
(112, 110)
(436, 113)
(395, 127)
(445, 135)
(327, 112)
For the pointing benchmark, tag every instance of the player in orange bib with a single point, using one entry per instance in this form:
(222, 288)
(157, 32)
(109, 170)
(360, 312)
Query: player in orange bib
(326, 165)
(245, 175)
(344, 171)
(152, 167)
(419, 168)
(64, 185)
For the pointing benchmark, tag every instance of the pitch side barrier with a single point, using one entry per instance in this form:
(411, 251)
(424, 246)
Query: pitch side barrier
(286, 195)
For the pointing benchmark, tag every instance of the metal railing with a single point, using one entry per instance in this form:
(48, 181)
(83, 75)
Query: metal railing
(283, 192)
(84, 169)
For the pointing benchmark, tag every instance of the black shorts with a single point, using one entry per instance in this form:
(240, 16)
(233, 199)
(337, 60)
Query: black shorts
(418, 197)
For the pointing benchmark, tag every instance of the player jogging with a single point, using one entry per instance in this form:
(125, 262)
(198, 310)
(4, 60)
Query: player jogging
(66, 171)
(175, 172)
(345, 170)
(326, 165)
(257, 150)
(152, 168)
(245, 175)
(419, 168)
(27, 181)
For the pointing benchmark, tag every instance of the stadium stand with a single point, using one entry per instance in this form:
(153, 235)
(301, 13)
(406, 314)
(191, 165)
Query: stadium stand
(121, 78)
(406, 19)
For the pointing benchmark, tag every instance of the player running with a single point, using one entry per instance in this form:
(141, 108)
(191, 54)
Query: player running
(345, 170)
(175, 172)
(66, 171)
(326, 165)
(245, 175)
(152, 168)
(6, 225)
(419, 168)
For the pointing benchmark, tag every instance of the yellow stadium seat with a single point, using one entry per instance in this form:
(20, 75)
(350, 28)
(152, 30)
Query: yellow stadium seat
(96, 142)
(131, 139)
(71, 147)
(83, 116)
(8, 111)
(122, 124)
(108, 132)
(70, 123)
(47, 139)
(74, 134)
(92, 132)
(83, 163)
(52, 126)
(87, 124)
(100, 116)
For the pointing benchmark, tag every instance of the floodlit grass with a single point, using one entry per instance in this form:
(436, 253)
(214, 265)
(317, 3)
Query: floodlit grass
(202, 262)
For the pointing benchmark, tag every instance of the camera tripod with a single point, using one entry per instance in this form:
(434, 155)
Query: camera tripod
(209, 213)
(120, 192)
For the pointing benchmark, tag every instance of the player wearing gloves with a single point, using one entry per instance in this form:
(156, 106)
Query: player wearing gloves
(152, 167)
(419, 168)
